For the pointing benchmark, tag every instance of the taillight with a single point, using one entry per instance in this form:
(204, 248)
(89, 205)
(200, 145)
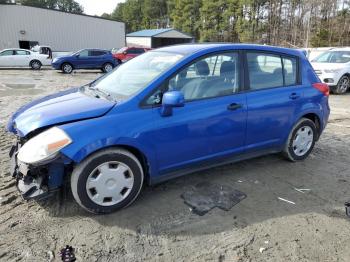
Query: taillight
(323, 88)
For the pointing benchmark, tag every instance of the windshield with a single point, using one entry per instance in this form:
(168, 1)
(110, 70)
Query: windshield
(333, 57)
(129, 78)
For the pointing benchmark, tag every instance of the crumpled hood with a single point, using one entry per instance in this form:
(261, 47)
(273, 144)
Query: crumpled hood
(63, 107)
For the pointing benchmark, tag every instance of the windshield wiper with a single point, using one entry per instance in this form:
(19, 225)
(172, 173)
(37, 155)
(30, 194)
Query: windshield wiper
(104, 93)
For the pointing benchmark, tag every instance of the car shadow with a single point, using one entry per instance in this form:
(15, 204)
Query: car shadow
(267, 181)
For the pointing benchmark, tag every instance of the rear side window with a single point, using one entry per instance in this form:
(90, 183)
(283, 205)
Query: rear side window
(290, 70)
(269, 70)
(97, 53)
(22, 52)
(265, 70)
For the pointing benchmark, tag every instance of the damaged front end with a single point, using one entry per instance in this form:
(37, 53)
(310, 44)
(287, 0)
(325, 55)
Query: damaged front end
(38, 180)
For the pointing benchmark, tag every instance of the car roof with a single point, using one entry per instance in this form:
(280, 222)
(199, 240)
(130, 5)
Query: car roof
(194, 48)
(12, 49)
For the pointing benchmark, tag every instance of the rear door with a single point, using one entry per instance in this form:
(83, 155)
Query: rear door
(273, 98)
(22, 58)
(97, 58)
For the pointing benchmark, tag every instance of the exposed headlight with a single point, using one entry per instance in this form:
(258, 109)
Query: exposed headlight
(331, 70)
(55, 60)
(44, 146)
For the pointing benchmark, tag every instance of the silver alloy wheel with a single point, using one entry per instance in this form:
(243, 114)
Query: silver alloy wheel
(110, 183)
(303, 140)
(36, 65)
(108, 68)
(67, 68)
(343, 84)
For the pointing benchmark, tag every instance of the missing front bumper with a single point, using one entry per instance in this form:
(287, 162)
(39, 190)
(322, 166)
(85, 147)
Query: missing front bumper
(31, 182)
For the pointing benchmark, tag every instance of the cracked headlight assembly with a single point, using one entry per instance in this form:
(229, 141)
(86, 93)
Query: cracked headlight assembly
(44, 146)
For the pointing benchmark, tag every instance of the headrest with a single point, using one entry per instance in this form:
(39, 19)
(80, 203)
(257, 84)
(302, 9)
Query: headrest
(227, 69)
(202, 68)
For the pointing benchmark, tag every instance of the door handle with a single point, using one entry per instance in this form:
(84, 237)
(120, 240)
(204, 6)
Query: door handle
(294, 96)
(234, 106)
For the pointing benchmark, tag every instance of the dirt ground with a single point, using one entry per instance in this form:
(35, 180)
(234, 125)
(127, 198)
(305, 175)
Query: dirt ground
(160, 227)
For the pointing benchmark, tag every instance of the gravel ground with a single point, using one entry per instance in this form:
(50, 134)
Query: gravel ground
(160, 227)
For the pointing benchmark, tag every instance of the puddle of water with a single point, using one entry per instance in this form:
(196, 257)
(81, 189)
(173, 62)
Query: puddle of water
(20, 86)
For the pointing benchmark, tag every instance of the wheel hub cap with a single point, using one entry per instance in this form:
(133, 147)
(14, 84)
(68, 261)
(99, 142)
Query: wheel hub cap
(303, 140)
(109, 183)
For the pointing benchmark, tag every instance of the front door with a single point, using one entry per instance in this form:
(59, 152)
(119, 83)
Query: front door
(6, 58)
(212, 124)
(273, 99)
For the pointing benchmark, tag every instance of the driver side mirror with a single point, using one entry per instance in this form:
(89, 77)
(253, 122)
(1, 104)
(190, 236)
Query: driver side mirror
(77, 56)
(171, 99)
(124, 53)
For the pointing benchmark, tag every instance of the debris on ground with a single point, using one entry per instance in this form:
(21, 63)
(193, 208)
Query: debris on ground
(347, 208)
(205, 196)
(67, 254)
(302, 190)
(286, 200)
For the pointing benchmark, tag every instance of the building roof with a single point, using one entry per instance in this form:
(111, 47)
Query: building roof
(158, 33)
(56, 10)
(149, 32)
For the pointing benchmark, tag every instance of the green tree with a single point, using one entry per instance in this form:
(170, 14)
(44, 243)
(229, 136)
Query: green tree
(185, 16)
(62, 5)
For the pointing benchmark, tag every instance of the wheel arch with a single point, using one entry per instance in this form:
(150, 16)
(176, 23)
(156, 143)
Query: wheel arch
(136, 151)
(67, 62)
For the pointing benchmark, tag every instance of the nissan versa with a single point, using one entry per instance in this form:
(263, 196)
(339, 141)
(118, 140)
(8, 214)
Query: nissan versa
(168, 112)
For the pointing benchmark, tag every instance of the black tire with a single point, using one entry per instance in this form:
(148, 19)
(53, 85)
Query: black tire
(35, 64)
(67, 68)
(343, 86)
(107, 67)
(288, 151)
(83, 170)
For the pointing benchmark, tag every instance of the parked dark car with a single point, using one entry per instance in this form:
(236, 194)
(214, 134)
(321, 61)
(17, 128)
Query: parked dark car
(166, 113)
(126, 53)
(86, 59)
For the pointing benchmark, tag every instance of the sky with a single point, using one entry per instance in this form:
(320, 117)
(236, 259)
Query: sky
(98, 7)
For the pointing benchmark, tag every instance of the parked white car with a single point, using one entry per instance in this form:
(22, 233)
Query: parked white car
(333, 68)
(23, 58)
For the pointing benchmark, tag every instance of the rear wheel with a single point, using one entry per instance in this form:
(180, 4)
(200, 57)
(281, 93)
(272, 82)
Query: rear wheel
(343, 86)
(35, 64)
(107, 67)
(67, 68)
(301, 140)
(107, 181)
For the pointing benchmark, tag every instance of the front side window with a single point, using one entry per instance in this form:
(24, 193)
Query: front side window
(83, 53)
(265, 70)
(131, 77)
(135, 51)
(6, 53)
(213, 76)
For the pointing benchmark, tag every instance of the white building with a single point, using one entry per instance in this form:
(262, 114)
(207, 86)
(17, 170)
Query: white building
(154, 38)
(25, 27)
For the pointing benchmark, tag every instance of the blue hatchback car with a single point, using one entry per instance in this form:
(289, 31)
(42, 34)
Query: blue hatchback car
(166, 113)
(86, 59)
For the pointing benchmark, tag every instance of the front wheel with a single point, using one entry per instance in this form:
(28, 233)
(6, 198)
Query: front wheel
(35, 64)
(342, 86)
(107, 67)
(107, 181)
(67, 68)
(301, 140)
